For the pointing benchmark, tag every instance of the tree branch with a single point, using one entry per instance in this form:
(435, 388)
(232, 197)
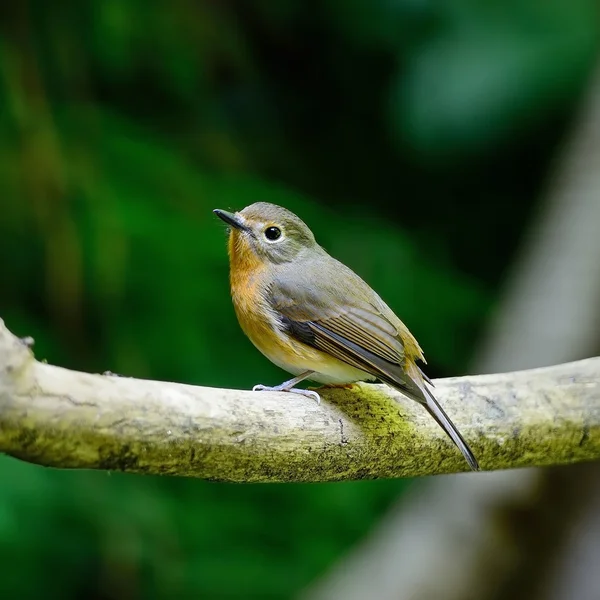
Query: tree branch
(56, 417)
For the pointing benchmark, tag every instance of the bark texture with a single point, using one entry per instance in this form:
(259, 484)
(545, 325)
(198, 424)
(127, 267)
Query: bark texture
(67, 419)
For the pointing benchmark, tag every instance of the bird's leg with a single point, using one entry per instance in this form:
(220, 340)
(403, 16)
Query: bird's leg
(288, 386)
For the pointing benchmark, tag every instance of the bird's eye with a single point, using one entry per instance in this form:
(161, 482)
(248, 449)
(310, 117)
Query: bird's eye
(272, 233)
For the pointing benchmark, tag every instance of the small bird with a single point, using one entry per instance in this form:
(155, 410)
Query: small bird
(314, 317)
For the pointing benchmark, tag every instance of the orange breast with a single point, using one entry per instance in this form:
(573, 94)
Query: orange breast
(246, 275)
(248, 286)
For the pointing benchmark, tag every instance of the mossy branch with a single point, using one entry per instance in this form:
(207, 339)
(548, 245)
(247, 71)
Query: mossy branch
(60, 418)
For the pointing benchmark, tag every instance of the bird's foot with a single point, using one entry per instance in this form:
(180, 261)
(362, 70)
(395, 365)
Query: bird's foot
(283, 388)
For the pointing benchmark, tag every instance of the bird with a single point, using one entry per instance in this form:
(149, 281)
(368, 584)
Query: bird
(315, 318)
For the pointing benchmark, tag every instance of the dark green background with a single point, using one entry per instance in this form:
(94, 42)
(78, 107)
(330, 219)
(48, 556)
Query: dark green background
(413, 137)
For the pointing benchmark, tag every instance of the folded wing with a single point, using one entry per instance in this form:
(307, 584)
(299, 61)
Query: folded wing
(353, 325)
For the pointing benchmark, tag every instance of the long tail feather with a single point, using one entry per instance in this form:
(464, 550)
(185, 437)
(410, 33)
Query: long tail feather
(421, 394)
(437, 412)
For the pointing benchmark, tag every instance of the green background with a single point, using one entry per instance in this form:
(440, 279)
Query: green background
(414, 138)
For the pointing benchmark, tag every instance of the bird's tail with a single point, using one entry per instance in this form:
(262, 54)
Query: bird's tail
(416, 389)
(443, 420)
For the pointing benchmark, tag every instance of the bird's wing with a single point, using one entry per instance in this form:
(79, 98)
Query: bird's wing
(339, 314)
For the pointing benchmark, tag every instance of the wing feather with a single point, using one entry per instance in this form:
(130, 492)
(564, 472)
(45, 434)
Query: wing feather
(350, 323)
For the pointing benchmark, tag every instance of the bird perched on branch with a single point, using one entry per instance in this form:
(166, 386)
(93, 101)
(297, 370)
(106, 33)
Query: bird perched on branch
(314, 317)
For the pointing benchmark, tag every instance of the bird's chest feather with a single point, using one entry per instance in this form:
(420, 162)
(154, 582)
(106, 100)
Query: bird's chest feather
(249, 279)
(256, 317)
(249, 289)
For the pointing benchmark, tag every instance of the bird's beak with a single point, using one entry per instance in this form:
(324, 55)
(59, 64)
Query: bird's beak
(230, 219)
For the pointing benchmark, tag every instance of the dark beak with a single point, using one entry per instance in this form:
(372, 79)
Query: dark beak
(230, 219)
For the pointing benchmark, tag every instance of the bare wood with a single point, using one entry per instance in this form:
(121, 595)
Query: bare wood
(60, 418)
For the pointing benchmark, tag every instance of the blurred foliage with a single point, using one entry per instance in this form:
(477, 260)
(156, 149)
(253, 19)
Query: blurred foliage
(413, 137)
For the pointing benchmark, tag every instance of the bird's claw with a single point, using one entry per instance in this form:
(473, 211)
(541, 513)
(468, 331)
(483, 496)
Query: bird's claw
(309, 394)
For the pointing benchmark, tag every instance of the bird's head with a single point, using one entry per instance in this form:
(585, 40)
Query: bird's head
(266, 232)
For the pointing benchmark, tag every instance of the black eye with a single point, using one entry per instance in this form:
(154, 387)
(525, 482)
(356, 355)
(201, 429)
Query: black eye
(272, 233)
